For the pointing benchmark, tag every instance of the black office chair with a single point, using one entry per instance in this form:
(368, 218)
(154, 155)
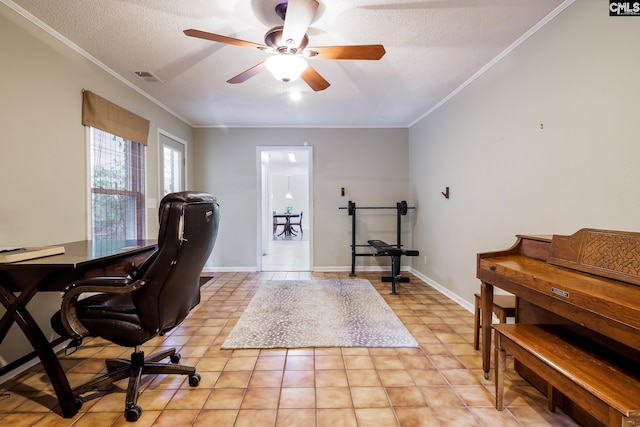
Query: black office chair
(298, 223)
(131, 310)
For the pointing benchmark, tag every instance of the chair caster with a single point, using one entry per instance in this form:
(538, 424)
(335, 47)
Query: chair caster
(78, 401)
(175, 358)
(133, 413)
(194, 380)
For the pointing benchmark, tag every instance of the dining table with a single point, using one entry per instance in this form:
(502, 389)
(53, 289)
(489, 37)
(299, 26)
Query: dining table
(288, 231)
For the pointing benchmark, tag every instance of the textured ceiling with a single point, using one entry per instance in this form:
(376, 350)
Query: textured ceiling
(432, 48)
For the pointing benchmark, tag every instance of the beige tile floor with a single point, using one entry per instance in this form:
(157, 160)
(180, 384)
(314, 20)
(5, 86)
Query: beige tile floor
(288, 254)
(439, 384)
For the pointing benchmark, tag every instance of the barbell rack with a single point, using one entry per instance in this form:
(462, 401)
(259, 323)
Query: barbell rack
(402, 209)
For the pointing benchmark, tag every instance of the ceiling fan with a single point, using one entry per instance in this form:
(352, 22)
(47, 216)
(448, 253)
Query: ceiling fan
(289, 42)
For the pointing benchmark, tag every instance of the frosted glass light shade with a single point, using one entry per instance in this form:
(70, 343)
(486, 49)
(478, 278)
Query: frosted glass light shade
(286, 66)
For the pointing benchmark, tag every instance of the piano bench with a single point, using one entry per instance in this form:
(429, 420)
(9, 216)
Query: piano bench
(606, 388)
(504, 306)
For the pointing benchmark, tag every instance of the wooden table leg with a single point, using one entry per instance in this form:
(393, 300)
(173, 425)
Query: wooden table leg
(486, 296)
(16, 308)
(476, 322)
(501, 362)
(552, 397)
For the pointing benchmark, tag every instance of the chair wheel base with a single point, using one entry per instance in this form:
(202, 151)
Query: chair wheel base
(194, 380)
(78, 401)
(175, 358)
(133, 413)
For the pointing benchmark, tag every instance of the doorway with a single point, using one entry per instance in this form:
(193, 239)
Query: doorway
(285, 174)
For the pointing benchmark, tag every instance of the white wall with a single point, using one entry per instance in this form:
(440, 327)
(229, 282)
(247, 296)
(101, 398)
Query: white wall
(226, 166)
(577, 77)
(299, 186)
(43, 177)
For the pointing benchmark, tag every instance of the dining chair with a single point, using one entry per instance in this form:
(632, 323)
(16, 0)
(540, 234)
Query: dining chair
(276, 223)
(298, 223)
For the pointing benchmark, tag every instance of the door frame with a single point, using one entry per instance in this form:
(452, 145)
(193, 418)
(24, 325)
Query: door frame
(263, 225)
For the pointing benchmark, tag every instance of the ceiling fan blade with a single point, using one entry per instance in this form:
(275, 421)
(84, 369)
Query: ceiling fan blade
(314, 79)
(368, 51)
(299, 15)
(246, 75)
(223, 39)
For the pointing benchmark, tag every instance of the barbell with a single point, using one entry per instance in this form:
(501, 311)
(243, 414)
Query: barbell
(400, 207)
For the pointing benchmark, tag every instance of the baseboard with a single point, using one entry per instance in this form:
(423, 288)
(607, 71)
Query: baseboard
(342, 268)
(444, 291)
(28, 361)
(230, 270)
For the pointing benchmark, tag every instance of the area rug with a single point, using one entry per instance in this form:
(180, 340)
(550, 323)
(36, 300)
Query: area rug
(318, 313)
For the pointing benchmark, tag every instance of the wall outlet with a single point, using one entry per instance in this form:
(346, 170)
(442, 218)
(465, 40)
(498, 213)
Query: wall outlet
(425, 260)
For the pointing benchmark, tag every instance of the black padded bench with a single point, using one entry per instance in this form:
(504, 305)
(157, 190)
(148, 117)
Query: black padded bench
(385, 249)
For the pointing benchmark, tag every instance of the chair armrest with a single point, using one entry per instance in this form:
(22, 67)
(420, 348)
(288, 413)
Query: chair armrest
(141, 269)
(70, 295)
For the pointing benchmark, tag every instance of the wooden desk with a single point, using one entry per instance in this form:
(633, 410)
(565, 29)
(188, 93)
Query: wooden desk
(287, 226)
(81, 260)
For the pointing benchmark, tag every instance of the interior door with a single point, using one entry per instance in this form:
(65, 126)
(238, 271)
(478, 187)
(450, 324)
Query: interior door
(172, 164)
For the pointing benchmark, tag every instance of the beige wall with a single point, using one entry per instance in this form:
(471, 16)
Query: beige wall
(372, 165)
(43, 177)
(577, 77)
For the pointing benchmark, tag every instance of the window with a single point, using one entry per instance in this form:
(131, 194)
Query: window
(171, 164)
(117, 187)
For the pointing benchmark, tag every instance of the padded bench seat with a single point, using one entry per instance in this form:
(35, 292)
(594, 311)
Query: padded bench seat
(607, 388)
(385, 249)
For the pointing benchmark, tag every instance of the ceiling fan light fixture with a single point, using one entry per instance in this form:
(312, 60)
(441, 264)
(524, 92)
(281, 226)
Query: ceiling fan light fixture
(281, 9)
(286, 67)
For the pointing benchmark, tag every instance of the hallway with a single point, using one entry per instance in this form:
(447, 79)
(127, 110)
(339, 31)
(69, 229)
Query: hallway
(288, 254)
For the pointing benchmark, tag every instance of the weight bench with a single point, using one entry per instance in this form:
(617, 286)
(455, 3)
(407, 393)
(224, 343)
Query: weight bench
(385, 249)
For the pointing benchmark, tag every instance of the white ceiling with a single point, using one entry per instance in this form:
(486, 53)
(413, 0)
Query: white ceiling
(281, 163)
(432, 48)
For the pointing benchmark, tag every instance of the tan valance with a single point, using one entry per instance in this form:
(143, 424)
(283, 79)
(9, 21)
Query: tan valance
(109, 117)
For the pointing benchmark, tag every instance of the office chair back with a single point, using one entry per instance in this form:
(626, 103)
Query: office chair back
(188, 231)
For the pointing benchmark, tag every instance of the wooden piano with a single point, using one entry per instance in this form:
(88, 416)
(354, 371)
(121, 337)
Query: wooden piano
(577, 331)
